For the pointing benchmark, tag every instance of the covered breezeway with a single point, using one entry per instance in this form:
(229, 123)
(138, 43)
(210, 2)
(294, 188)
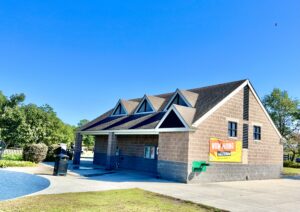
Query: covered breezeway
(115, 151)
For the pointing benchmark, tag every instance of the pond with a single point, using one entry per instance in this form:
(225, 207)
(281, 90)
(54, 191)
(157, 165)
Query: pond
(17, 184)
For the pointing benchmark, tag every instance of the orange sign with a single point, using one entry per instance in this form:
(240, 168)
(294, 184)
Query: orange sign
(225, 151)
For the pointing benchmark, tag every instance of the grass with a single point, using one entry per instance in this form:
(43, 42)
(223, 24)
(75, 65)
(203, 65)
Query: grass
(14, 160)
(291, 171)
(115, 200)
(13, 163)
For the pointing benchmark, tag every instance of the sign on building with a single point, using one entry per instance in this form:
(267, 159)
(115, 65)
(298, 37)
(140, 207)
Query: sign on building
(225, 151)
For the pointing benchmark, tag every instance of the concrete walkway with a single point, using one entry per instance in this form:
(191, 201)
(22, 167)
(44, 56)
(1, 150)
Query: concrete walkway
(264, 195)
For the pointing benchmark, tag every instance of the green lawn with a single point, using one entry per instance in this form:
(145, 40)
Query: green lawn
(291, 171)
(115, 200)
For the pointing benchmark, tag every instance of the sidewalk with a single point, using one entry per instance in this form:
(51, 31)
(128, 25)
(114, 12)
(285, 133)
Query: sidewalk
(261, 195)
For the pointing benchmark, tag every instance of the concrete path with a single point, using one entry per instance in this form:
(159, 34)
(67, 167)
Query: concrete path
(264, 195)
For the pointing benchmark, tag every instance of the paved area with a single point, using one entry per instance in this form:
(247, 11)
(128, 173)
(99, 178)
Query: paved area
(264, 195)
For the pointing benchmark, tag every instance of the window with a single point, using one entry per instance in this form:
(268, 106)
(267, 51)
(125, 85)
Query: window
(257, 133)
(119, 110)
(172, 121)
(178, 101)
(145, 107)
(232, 129)
(149, 152)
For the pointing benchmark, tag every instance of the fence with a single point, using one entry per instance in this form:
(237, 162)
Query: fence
(13, 151)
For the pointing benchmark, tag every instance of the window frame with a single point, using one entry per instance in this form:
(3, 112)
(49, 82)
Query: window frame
(150, 156)
(256, 133)
(232, 132)
(118, 109)
(143, 106)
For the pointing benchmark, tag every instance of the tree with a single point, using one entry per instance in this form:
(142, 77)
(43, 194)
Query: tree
(293, 146)
(13, 128)
(88, 140)
(45, 126)
(21, 124)
(285, 112)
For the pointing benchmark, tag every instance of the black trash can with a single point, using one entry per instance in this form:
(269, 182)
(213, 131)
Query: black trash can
(61, 165)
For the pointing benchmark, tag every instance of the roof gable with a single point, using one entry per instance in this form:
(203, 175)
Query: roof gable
(119, 110)
(156, 102)
(177, 98)
(145, 106)
(202, 102)
(191, 97)
(129, 105)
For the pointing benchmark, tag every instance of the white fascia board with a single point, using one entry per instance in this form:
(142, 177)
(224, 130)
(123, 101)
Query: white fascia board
(186, 126)
(119, 102)
(135, 132)
(141, 102)
(181, 95)
(216, 107)
(176, 130)
(210, 112)
(264, 109)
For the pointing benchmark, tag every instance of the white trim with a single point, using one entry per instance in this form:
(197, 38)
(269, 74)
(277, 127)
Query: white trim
(256, 124)
(135, 132)
(210, 112)
(264, 109)
(119, 102)
(176, 130)
(186, 126)
(172, 98)
(216, 107)
(232, 120)
(141, 102)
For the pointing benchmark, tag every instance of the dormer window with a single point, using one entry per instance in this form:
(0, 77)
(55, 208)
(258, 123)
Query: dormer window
(177, 99)
(145, 107)
(119, 110)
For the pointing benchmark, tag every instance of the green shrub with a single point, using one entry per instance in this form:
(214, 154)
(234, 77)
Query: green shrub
(12, 163)
(51, 152)
(35, 152)
(15, 157)
(291, 164)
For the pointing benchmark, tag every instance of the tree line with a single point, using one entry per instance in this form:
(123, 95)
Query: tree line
(22, 124)
(285, 112)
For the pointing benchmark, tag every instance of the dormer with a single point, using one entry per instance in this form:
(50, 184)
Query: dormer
(183, 98)
(119, 109)
(145, 106)
(124, 107)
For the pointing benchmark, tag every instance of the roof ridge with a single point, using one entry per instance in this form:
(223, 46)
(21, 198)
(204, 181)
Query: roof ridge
(220, 84)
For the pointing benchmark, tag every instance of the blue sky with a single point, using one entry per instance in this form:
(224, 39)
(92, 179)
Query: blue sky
(82, 56)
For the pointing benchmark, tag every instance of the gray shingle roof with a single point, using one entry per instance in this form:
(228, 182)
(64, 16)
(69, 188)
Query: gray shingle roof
(202, 99)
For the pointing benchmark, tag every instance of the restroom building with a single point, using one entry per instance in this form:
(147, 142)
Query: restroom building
(225, 127)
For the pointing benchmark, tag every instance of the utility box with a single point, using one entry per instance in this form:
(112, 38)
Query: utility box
(61, 165)
(199, 166)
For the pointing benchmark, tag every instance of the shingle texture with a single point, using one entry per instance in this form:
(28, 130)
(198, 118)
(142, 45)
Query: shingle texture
(201, 99)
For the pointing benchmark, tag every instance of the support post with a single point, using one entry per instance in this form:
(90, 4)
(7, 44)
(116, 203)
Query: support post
(111, 151)
(77, 151)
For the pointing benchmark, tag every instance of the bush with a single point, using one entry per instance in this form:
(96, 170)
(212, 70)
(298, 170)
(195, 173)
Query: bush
(35, 152)
(12, 163)
(291, 164)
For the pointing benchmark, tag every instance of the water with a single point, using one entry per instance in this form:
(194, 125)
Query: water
(16, 184)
